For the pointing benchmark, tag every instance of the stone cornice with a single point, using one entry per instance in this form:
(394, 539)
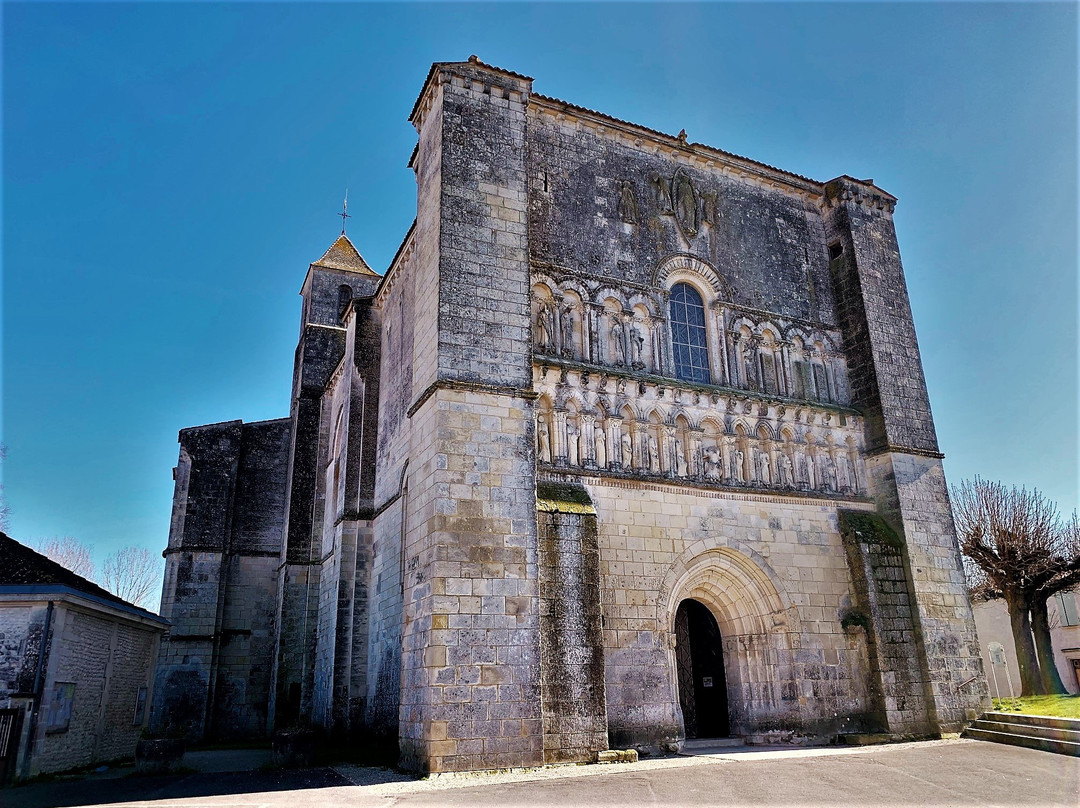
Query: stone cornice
(471, 387)
(634, 482)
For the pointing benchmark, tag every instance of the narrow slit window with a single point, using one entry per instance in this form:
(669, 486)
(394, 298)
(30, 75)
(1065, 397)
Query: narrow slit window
(688, 334)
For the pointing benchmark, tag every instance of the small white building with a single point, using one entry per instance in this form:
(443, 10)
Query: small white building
(992, 623)
(76, 667)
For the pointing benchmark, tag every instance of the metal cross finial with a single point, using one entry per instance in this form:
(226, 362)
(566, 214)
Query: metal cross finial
(344, 211)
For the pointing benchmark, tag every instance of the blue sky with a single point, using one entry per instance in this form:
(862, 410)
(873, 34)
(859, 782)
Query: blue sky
(169, 171)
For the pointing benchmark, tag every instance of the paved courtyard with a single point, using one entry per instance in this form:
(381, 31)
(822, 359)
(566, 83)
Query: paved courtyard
(953, 773)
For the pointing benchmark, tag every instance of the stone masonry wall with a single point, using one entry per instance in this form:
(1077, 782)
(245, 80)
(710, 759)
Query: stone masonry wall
(220, 588)
(884, 595)
(470, 684)
(766, 240)
(904, 468)
(773, 572)
(571, 636)
(108, 660)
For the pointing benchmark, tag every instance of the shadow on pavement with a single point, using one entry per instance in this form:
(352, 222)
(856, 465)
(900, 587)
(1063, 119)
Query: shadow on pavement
(60, 793)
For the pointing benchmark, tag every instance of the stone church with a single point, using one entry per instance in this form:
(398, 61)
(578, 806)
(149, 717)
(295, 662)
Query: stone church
(630, 444)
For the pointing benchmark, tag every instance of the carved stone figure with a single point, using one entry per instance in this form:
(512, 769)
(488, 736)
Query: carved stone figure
(738, 472)
(787, 472)
(764, 473)
(568, 331)
(843, 472)
(628, 210)
(663, 193)
(618, 342)
(637, 345)
(712, 463)
(825, 471)
(680, 459)
(627, 444)
(601, 449)
(545, 327)
(572, 444)
(544, 438)
(685, 206)
(654, 455)
(708, 207)
(750, 365)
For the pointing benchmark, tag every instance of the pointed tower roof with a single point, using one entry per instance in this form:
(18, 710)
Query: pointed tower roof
(343, 255)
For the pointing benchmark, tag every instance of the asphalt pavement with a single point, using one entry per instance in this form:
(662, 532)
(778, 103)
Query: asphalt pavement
(947, 773)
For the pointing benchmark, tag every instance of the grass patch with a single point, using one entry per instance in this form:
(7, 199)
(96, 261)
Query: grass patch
(1067, 706)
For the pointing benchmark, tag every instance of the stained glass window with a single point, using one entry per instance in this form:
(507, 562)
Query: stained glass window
(688, 334)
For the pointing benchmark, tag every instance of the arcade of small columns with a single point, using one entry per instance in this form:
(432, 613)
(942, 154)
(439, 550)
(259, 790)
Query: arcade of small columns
(591, 322)
(610, 422)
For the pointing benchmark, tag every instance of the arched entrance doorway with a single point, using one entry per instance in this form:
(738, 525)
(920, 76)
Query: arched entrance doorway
(699, 658)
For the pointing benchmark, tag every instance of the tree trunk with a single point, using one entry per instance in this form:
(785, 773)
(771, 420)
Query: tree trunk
(1040, 627)
(1030, 679)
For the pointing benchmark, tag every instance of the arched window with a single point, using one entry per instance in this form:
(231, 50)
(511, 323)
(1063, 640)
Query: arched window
(688, 334)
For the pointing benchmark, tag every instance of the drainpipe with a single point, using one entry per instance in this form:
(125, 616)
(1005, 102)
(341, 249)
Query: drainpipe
(36, 703)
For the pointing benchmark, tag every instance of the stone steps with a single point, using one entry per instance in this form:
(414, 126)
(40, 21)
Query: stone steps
(1058, 735)
(710, 746)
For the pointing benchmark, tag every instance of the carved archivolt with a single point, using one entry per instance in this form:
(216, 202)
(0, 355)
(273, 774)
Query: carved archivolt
(653, 429)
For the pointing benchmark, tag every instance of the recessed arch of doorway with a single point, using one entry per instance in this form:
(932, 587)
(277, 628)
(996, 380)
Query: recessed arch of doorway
(726, 610)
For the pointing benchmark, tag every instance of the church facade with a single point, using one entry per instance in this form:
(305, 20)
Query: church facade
(630, 444)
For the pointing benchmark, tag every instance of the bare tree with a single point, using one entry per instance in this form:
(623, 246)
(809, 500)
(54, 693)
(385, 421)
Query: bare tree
(1064, 574)
(68, 552)
(1009, 534)
(1022, 552)
(131, 573)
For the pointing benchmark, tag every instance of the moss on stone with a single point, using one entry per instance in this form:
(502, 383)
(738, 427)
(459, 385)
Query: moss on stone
(869, 528)
(571, 493)
(855, 617)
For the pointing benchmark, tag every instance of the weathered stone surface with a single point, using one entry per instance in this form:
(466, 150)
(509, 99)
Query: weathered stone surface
(608, 370)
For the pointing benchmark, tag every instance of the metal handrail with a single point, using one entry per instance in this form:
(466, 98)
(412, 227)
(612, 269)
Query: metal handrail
(967, 682)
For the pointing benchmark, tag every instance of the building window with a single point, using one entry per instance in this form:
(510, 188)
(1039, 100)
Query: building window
(1066, 603)
(58, 707)
(688, 334)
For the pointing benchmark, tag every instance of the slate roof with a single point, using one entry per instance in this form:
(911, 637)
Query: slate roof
(344, 255)
(21, 566)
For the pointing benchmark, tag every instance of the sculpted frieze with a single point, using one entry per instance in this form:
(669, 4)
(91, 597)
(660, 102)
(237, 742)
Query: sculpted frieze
(661, 430)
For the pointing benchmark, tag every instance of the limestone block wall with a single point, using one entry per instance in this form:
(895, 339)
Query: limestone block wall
(904, 467)
(610, 199)
(246, 646)
(772, 571)
(571, 630)
(221, 582)
(875, 555)
(470, 688)
(470, 678)
(107, 660)
(398, 306)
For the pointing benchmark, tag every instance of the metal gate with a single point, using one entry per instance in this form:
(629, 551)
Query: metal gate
(10, 724)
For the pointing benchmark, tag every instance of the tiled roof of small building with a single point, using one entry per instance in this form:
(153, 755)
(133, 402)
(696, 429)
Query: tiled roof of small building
(22, 566)
(344, 255)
